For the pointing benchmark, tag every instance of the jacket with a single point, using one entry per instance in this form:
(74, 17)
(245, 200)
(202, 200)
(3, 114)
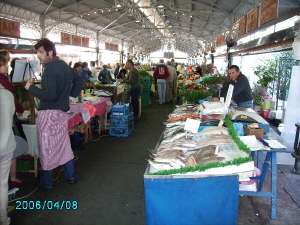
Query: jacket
(7, 110)
(161, 72)
(59, 82)
(241, 92)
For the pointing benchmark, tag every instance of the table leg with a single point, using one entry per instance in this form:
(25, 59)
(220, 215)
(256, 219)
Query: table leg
(253, 155)
(259, 160)
(264, 171)
(274, 186)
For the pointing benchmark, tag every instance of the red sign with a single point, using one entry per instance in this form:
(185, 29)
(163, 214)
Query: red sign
(9, 28)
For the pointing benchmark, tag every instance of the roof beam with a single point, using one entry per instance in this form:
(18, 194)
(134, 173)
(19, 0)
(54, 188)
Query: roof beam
(64, 7)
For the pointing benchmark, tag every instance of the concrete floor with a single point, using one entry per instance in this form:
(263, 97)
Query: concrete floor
(110, 183)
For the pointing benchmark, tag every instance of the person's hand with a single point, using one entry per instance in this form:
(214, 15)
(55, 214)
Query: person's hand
(215, 100)
(121, 80)
(27, 85)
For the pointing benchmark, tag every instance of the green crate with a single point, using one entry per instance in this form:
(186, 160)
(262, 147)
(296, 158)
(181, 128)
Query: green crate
(145, 81)
(145, 95)
(24, 165)
(145, 101)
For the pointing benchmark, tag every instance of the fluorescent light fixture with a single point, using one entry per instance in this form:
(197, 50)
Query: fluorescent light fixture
(118, 5)
(137, 21)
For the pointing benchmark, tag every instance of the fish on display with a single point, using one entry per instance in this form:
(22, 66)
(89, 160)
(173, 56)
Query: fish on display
(168, 154)
(161, 166)
(174, 161)
(213, 140)
(212, 130)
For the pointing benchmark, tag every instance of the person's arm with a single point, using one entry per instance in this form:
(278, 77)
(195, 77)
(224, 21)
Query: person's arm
(77, 84)
(131, 78)
(48, 92)
(155, 72)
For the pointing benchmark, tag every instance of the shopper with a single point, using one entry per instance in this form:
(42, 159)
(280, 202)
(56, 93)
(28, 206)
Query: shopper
(161, 73)
(170, 82)
(7, 146)
(134, 80)
(122, 74)
(104, 76)
(178, 69)
(77, 67)
(84, 71)
(4, 80)
(117, 70)
(59, 82)
(242, 94)
(93, 69)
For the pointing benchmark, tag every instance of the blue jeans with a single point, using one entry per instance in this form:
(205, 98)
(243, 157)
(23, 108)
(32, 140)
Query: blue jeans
(46, 177)
(161, 89)
(248, 104)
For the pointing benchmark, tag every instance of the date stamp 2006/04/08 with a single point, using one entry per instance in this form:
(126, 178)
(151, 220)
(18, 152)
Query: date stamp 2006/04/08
(46, 204)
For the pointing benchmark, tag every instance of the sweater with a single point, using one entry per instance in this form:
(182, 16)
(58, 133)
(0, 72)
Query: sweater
(59, 82)
(241, 91)
(133, 78)
(7, 110)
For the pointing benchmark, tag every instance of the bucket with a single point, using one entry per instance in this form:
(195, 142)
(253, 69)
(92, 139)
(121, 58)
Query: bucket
(76, 141)
(265, 113)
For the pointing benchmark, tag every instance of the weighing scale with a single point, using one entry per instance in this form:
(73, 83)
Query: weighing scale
(245, 114)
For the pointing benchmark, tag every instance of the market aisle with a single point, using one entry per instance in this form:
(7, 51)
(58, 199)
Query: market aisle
(110, 184)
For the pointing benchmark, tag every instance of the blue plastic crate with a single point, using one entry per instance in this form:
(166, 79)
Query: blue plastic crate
(120, 109)
(121, 120)
(121, 131)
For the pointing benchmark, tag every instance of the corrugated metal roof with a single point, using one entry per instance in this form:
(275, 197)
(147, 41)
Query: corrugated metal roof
(180, 21)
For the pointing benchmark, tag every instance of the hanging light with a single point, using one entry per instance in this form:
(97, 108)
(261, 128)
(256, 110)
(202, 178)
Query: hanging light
(160, 6)
(118, 5)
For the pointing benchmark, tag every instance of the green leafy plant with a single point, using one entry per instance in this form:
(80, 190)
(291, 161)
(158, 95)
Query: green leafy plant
(266, 72)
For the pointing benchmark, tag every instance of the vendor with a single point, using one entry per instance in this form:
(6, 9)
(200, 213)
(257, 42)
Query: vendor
(242, 94)
(104, 76)
(134, 80)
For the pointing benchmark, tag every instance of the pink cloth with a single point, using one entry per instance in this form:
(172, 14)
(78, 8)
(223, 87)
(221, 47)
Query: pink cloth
(74, 120)
(53, 137)
(101, 108)
(91, 109)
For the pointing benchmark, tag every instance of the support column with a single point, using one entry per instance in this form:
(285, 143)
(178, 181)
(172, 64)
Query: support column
(122, 52)
(97, 46)
(42, 26)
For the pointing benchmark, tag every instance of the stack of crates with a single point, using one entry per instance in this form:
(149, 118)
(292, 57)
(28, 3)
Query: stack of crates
(146, 83)
(121, 120)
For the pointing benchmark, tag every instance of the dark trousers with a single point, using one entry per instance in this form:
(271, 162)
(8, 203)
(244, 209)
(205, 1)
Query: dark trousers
(134, 93)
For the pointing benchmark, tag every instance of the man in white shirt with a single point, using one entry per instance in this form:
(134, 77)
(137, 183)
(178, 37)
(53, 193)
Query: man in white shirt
(170, 82)
(93, 69)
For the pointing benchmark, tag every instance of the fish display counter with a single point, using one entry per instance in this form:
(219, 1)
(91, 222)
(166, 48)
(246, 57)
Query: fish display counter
(192, 178)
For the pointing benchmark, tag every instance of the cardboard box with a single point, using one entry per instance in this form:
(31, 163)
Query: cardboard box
(258, 132)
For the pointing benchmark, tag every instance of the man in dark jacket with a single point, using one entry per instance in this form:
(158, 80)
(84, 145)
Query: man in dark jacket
(161, 73)
(59, 82)
(242, 94)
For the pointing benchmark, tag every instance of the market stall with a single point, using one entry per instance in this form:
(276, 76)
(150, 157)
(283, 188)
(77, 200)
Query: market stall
(213, 155)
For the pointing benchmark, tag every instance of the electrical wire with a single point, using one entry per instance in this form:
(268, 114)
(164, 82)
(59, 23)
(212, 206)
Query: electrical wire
(75, 158)
(48, 7)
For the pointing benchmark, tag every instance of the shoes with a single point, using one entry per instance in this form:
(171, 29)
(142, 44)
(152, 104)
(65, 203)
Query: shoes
(72, 181)
(46, 188)
(15, 183)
